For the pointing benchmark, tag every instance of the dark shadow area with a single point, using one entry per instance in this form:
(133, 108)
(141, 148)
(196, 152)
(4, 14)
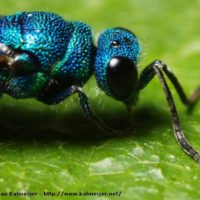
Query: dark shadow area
(45, 127)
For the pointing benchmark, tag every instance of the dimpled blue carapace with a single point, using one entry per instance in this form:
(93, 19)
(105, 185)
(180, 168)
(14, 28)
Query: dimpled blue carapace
(44, 35)
(60, 48)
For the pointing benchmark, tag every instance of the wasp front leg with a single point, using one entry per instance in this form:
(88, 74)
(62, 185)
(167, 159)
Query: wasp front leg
(1, 89)
(149, 72)
(147, 75)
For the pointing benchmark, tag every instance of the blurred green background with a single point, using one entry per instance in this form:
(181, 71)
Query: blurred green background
(37, 153)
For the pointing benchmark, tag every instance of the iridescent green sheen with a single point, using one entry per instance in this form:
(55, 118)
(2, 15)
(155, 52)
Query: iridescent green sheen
(58, 48)
(42, 55)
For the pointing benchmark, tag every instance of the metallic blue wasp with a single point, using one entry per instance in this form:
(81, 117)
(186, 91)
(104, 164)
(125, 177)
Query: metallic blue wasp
(43, 56)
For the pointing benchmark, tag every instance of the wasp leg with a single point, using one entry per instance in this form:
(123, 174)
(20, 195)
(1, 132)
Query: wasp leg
(192, 100)
(148, 73)
(89, 114)
(86, 108)
(50, 99)
(1, 89)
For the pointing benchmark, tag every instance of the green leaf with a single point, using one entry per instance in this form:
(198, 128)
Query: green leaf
(53, 148)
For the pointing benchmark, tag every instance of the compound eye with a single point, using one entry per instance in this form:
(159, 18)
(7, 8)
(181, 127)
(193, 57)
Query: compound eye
(121, 77)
